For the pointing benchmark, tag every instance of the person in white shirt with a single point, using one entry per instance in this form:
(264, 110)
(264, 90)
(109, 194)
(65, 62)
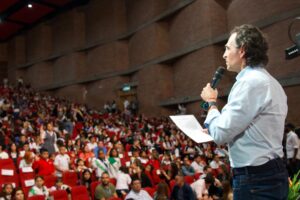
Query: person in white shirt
(39, 188)
(215, 163)
(198, 164)
(297, 131)
(123, 181)
(101, 164)
(292, 148)
(3, 154)
(62, 162)
(137, 193)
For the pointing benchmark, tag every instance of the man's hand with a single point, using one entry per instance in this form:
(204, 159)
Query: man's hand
(208, 94)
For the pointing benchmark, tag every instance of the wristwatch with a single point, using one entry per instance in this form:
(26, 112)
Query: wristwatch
(212, 103)
(206, 105)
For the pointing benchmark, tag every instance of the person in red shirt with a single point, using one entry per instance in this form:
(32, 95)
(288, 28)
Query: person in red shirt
(44, 166)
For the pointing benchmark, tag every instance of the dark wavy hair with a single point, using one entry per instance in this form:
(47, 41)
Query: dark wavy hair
(254, 43)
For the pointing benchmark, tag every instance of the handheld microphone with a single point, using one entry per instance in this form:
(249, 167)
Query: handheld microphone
(214, 82)
(217, 77)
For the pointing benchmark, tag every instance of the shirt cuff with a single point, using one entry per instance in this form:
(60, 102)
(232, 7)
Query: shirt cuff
(213, 113)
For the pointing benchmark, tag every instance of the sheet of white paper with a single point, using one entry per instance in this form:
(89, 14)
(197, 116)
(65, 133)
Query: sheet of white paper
(29, 182)
(7, 172)
(27, 169)
(189, 125)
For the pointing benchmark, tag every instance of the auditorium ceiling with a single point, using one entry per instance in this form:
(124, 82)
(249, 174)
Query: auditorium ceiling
(19, 15)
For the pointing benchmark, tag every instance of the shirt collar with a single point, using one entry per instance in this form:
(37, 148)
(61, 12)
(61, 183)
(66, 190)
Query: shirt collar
(244, 71)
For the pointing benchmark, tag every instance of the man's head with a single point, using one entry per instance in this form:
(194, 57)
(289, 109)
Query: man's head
(186, 161)
(101, 154)
(246, 46)
(105, 179)
(62, 150)
(44, 153)
(179, 178)
(289, 127)
(136, 185)
(207, 169)
(209, 180)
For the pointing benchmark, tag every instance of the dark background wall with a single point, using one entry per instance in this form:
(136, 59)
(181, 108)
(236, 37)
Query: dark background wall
(167, 49)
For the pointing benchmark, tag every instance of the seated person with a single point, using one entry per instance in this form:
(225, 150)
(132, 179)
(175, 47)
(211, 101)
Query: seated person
(39, 188)
(137, 192)
(105, 189)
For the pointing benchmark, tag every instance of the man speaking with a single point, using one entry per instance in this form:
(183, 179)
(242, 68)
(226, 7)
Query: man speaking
(252, 121)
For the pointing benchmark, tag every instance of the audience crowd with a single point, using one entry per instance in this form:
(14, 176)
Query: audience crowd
(114, 154)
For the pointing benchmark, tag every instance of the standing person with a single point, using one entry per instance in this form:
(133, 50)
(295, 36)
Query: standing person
(252, 121)
(49, 138)
(62, 162)
(292, 148)
(43, 165)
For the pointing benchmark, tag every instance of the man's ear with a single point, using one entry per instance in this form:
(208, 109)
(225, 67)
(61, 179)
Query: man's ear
(242, 52)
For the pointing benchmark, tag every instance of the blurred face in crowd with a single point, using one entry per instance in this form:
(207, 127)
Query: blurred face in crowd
(186, 161)
(49, 127)
(39, 182)
(136, 186)
(45, 154)
(8, 189)
(101, 155)
(87, 175)
(62, 150)
(105, 179)
(179, 180)
(19, 195)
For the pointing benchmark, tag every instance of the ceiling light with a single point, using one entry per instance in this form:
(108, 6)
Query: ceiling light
(29, 5)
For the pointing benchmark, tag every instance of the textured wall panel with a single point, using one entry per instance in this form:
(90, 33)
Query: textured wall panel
(105, 19)
(148, 43)
(102, 91)
(141, 11)
(155, 84)
(199, 21)
(244, 11)
(68, 68)
(38, 42)
(74, 93)
(192, 72)
(39, 75)
(107, 58)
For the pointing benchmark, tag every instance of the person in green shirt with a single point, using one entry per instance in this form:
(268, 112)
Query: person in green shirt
(105, 189)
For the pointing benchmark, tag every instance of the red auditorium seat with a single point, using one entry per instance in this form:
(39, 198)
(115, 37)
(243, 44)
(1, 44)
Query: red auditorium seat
(150, 191)
(8, 173)
(7, 164)
(37, 197)
(70, 178)
(9, 176)
(197, 175)
(25, 175)
(59, 195)
(50, 180)
(189, 179)
(113, 181)
(79, 193)
(114, 198)
(172, 184)
(93, 188)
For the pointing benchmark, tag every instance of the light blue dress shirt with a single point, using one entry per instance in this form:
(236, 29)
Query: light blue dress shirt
(252, 122)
